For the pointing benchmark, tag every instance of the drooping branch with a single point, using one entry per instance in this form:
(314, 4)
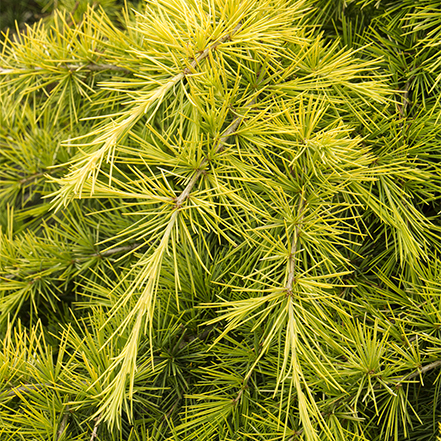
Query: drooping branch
(90, 164)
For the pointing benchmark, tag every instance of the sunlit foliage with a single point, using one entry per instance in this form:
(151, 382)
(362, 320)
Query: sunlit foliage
(220, 221)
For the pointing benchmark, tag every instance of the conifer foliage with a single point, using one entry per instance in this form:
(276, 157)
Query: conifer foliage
(220, 221)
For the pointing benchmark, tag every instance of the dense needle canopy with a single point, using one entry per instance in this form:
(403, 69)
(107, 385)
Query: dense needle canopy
(220, 221)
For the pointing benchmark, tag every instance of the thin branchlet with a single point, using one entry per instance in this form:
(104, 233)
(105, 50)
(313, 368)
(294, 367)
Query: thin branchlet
(95, 428)
(63, 424)
(421, 371)
(218, 148)
(68, 67)
(205, 53)
(295, 244)
(106, 253)
(29, 387)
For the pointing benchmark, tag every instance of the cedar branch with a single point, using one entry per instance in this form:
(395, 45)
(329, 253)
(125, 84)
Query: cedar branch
(95, 428)
(206, 51)
(220, 144)
(71, 67)
(63, 424)
(234, 125)
(106, 253)
(421, 371)
(25, 388)
(102, 67)
(294, 245)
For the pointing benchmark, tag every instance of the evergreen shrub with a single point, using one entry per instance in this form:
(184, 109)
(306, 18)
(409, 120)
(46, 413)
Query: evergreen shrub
(220, 221)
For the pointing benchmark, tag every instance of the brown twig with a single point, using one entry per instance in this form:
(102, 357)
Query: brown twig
(294, 245)
(71, 67)
(106, 253)
(95, 428)
(405, 100)
(172, 409)
(100, 67)
(71, 19)
(235, 400)
(31, 178)
(220, 144)
(206, 51)
(117, 250)
(420, 371)
(296, 435)
(63, 424)
(25, 388)
(234, 125)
